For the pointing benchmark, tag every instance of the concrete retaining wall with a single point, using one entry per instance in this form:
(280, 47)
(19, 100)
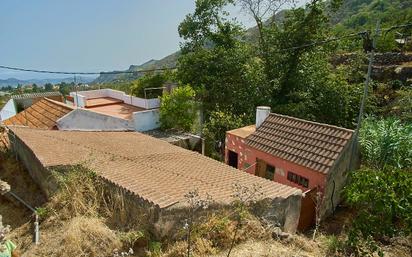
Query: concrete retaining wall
(40, 175)
(146, 120)
(85, 120)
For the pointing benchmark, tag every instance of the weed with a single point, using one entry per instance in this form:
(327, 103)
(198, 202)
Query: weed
(42, 212)
(155, 248)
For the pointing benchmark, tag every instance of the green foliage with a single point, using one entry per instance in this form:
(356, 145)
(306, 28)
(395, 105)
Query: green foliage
(155, 248)
(222, 69)
(402, 105)
(42, 212)
(381, 191)
(224, 79)
(304, 83)
(214, 131)
(357, 15)
(130, 237)
(208, 26)
(333, 245)
(151, 81)
(386, 142)
(65, 88)
(48, 87)
(178, 109)
(383, 199)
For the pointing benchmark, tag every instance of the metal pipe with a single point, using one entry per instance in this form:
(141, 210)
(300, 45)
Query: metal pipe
(36, 216)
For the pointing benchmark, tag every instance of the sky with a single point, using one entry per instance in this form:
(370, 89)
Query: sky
(90, 35)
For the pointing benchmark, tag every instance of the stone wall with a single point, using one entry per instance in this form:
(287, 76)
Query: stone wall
(40, 175)
(338, 177)
(391, 58)
(280, 212)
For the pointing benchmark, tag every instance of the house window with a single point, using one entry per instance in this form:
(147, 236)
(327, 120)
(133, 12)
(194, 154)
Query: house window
(297, 179)
(270, 172)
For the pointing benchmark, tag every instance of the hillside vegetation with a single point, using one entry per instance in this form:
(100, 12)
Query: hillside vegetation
(351, 15)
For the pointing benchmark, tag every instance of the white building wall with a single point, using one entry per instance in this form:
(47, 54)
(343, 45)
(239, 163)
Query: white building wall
(85, 120)
(82, 96)
(146, 120)
(8, 111)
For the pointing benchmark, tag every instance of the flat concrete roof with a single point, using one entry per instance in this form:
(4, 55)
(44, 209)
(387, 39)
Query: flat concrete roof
(243, 132)
(113, 107)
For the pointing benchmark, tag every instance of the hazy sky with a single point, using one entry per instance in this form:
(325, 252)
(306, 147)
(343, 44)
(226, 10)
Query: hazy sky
(89, 35)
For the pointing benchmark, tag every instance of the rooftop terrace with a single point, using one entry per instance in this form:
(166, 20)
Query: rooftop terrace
(113, 107)
(112, 102)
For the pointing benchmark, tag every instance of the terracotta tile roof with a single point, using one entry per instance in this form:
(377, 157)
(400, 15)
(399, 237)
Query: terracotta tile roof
(310, 144)
(4, 140)
(36, 95)
(151, 169)
(42, 114)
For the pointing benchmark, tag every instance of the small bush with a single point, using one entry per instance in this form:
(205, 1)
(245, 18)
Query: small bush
(178, 109)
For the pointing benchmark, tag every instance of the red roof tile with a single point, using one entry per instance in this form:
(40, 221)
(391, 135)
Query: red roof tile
(150, 168)
(310, 144)
(42, 114)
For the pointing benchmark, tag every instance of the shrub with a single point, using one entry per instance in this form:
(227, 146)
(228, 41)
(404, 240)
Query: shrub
(383, 198)
(178, 109)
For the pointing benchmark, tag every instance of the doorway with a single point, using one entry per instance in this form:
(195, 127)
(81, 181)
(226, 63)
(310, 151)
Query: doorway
(233, 159)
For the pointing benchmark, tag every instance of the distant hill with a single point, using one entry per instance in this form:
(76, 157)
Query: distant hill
(14, 82)
(167, 62)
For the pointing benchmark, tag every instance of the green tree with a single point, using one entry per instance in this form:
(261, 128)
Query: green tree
(35, 88)
(65, 88)
(221, 68)
(214, 131)
(48, 87)
(149, 85)
(178, 109)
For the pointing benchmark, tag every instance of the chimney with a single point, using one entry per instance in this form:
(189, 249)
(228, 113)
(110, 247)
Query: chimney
(262, 112)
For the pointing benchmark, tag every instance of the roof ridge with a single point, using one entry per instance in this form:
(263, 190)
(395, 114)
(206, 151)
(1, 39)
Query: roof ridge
(58, 103)
(311, 122)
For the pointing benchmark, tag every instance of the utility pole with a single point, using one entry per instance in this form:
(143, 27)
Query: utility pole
(365, 91)
(75, 88)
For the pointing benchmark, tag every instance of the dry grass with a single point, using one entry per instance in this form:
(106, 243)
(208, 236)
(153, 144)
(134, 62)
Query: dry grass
(215, 233)
(79, 236)
(84, 219)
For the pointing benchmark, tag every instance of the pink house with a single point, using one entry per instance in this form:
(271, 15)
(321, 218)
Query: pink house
(311, 156)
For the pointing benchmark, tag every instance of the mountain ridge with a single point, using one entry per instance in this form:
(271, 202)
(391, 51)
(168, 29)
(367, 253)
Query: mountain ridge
(40, 82)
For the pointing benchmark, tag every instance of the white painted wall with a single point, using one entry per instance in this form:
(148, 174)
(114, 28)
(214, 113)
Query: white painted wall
(86, 120)
(8, 111)
(82, 96)
(146, 120)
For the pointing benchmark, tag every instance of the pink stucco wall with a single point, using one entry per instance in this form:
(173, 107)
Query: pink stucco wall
(247, 157)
